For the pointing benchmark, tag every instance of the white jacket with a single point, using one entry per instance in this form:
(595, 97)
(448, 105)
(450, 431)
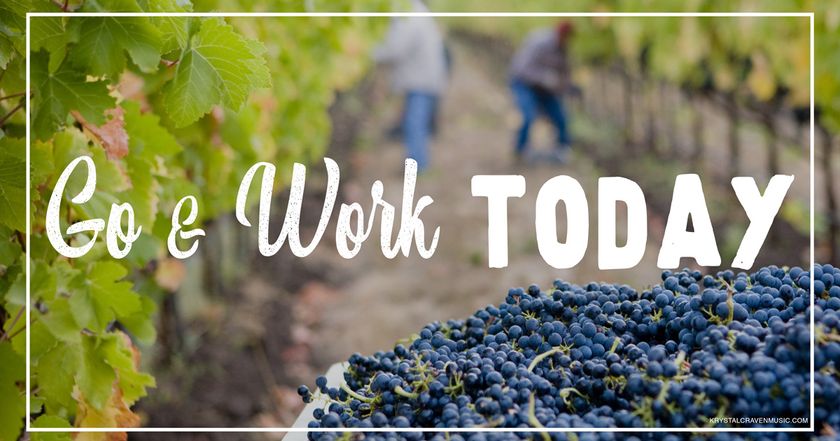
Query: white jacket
(414, 46)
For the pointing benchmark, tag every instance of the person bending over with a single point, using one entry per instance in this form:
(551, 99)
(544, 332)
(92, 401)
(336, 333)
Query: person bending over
(539, 75)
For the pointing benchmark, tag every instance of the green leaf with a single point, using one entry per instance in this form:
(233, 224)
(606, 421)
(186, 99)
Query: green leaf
(51, 421)
(13, 404)
(144, 191)
(139, 324)
(166, 5)
(41, 341)
(105, 360)
(110, 179)
(57, 93)
(55, 377)
(175, 32)
(104, 40)
(219, 67)
(146, 137)
(106, 297)
(13, 14)
(12, 365)
(95, 377)
(60, 322)
(43, 283)
(12, 185)
(7, 51)
(132, 383)
(14, 77)
(41, 164)
(14, 286)
(10, 248)
(111, 6)
(146, 248)
(36, 404)
(50, 34)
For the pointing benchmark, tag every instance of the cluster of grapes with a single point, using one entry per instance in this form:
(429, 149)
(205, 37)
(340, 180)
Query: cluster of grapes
(694, 351)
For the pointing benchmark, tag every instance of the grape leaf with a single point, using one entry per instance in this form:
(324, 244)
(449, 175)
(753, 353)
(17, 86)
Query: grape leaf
(7, 51)
(166, 5)
(111, 6)
(43, 284)
(42, 341)
(56, 372)
(13, 286)
(13, 404)
(219, 67)
(13, 13)
(57, 93)
(69, 145)
(144, 190)
(49, 33)
(110, 179)
(111, 135)
(60, 322)
(103, 41)
(12, 185)
(102, 403)
(139, 324)
(41, 165)
(175, 32)
(95, 377)
(46, 421)
(14, 77)
(10, 249)
(115, 414)
(146, 137)
(124, 360)
(104, 297)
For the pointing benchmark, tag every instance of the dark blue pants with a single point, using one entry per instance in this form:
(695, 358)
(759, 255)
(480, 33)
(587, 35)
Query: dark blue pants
(531, 102)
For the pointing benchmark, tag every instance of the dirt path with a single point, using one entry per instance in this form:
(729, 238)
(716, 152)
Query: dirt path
(386, 300)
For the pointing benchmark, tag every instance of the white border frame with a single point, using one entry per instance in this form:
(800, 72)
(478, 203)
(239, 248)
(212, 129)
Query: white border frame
(29, 427)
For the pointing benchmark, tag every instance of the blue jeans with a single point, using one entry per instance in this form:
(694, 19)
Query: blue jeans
(531, 101)
(417, 126)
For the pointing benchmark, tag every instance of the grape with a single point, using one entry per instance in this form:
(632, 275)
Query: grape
(304, 393)
(605, 355)
(321, 383)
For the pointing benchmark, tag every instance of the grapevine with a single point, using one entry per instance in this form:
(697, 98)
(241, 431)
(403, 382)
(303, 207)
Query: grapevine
(165, 107)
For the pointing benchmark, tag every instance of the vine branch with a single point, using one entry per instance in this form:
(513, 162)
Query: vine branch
(13, 95)
(9, 115)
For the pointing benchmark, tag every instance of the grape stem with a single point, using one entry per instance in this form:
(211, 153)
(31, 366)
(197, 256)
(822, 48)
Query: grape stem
(543, 356)
(614, 346)
(824, 337)
(355, 395)
(730, 306)
(680, 359)
(564, 394)
(402, 392)
(532, 417)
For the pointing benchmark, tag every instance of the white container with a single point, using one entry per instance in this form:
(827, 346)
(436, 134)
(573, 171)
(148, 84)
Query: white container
(335, 376)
